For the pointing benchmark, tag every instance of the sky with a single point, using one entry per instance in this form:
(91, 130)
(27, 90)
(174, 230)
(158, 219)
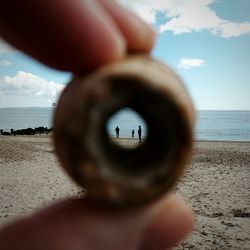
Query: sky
(207, 42)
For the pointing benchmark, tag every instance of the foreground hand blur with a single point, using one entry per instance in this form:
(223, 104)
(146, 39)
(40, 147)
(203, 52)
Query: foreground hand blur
(77, 224)
(73, 35)
(79, 36)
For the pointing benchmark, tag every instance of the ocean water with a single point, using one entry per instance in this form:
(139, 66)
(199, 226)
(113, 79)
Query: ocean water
(211, 125)
(19, 118)
(223, 125)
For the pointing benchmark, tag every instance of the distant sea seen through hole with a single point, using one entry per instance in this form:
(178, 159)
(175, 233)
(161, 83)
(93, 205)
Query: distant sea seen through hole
(126, 123)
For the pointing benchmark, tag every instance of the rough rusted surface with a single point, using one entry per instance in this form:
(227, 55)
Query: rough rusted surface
(120, 177)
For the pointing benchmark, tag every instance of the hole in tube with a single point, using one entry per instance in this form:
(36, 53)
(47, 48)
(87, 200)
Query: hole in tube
(126, 128)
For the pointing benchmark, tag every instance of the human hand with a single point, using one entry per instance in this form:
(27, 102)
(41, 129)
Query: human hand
(78, 224)
(74, 35)
(79, 36)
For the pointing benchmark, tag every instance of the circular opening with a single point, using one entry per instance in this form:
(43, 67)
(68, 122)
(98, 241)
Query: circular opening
(127, 128)
(167, 133)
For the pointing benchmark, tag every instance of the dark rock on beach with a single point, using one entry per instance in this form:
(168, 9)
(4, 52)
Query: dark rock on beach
(27, 131)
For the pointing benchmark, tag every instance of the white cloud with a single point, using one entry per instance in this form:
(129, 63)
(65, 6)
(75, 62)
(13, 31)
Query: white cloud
(187, 63)
(184, 16)
(5, 63)
(27, 85)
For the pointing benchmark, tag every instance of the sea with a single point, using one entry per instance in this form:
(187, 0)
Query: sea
(211, 125)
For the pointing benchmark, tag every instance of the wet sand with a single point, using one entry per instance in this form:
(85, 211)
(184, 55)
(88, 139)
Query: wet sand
(216, 184)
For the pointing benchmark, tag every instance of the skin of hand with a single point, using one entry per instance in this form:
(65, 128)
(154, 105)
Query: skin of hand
(79, 36)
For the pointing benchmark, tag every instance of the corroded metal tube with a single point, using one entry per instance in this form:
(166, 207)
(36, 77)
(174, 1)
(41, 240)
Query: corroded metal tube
(120, 177)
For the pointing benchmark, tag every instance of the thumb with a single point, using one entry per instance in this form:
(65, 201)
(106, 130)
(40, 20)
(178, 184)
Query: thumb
(77, 224)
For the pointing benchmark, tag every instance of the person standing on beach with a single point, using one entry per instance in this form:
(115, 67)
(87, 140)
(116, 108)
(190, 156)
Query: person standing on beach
(139, 133)
(133, 133)
(86, 35)
(117, 132)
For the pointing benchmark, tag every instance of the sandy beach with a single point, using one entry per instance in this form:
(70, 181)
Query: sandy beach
(216, 184)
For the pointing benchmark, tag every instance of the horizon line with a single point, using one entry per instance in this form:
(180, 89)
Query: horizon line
(25, 107)
(195, 109)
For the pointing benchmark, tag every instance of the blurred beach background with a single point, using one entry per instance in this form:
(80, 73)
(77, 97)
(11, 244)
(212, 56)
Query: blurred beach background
(207, 45)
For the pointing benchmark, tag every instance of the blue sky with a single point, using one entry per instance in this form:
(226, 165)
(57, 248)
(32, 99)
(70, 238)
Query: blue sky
(206, 41)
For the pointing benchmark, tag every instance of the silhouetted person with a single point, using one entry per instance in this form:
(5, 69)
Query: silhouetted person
(139, 134)
(133, 133)
(117, 131)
